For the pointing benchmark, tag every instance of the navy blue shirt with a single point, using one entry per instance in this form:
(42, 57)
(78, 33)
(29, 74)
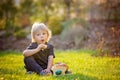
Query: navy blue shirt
(41, 57)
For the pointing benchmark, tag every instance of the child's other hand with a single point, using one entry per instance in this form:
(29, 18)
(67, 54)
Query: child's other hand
(47, 70)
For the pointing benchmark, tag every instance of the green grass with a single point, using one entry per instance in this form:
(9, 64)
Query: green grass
(81, 63)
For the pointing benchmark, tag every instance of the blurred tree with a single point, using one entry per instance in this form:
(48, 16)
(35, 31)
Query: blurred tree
(47, 6)
(27, 6)
(27, 9)
(112, 8)
(8, 11)
(68, 6)
(76, 5)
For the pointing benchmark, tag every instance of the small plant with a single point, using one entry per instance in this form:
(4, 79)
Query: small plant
(20, 34)
(55, 25)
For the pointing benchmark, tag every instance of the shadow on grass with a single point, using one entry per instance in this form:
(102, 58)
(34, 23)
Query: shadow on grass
(75, 77)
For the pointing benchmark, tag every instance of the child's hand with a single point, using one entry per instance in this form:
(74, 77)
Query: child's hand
(44, 46)
(41, 46)
(47, 70)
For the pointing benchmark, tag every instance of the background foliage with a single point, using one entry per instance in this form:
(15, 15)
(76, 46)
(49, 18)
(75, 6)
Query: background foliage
(84, 24)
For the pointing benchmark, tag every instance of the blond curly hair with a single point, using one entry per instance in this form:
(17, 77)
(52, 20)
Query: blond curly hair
(40, 26)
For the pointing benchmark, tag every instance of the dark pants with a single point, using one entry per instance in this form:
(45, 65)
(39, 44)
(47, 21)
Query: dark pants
(32, 65)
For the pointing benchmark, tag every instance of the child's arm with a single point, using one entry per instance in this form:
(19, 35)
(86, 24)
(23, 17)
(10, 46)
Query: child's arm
(29, 52)
(50, 63)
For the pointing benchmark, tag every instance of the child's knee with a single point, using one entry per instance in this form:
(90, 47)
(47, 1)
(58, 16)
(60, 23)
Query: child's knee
(28, 59)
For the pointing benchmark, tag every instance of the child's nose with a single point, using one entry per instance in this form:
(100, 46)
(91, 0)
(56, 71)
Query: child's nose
(41, 35)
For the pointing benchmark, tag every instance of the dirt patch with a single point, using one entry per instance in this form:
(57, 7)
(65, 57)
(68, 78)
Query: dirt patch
(11, 43)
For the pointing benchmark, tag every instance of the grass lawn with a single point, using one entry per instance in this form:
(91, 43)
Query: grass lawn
(81, 63)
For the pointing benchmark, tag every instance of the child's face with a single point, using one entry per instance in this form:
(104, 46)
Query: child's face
(41, 37)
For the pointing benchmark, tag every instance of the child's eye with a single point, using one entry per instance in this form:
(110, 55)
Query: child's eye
(44, 33)
(38, 34)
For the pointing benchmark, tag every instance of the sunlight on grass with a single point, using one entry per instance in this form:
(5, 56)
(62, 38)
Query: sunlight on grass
(81, 63)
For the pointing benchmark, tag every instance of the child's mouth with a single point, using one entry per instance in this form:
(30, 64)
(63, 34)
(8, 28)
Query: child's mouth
(42, 40)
